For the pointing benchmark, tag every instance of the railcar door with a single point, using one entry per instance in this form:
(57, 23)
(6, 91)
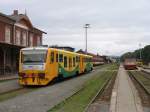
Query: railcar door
(53, 63)
(81, 64)
(70, 63)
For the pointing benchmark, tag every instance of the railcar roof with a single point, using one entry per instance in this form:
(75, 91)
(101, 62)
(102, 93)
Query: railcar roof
(46, 48)
(70, 52)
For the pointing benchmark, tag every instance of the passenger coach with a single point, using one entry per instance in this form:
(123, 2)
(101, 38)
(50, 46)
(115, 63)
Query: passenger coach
(40, 65)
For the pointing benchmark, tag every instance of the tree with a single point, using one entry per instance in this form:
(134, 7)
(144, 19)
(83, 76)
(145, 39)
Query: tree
(146, 54)
(136, 54)
(127, 55)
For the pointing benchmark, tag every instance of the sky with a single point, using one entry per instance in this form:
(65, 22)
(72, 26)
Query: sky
(116, 26)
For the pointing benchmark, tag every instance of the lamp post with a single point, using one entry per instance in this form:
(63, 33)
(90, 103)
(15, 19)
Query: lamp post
(86, 27)
(140, 51)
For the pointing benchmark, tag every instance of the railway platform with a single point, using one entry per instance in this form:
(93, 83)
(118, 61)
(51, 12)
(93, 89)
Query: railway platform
(8, 77)
(124, 95)
(146, 70)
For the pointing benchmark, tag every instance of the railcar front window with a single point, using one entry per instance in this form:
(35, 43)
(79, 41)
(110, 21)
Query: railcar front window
(34, 58)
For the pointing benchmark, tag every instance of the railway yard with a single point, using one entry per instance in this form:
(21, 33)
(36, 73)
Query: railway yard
(74, 56)
(108, 88)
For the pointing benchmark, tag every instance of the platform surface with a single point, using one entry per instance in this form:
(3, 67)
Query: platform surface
(124, 96)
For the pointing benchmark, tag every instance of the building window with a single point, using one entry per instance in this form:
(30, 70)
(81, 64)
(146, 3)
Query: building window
(38, 40)
(31, 40)
(7, 34)
(24, 38)
(18, 37)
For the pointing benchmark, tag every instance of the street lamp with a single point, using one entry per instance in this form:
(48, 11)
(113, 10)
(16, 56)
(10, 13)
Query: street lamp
(140, 51)
(86, 27)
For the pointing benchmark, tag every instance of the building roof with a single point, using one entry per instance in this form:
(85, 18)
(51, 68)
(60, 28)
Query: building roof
(8, 17)
(17, 17)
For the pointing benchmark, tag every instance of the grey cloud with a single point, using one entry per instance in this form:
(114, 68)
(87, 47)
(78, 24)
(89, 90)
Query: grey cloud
(116, 25)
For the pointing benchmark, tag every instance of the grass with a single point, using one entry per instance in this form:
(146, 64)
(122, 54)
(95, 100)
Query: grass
(113, 66)
(79, 101)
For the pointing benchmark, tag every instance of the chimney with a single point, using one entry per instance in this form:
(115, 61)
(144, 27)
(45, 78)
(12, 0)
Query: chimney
(15, 12)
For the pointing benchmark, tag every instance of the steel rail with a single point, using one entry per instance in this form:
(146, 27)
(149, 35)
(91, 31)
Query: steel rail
(10, 91)
(100, 91)
(139, 82)
(146, 74)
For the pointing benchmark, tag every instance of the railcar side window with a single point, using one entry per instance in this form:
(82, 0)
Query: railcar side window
(70, 62)
(60, 57)
(65, 61)
(73, 61)
(57, 57)
(52, 57)
(76, 58)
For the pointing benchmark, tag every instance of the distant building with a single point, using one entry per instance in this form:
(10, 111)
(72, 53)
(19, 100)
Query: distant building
(16, 32)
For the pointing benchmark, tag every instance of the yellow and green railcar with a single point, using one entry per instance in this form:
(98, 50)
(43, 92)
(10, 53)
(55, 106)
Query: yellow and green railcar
(40, 65)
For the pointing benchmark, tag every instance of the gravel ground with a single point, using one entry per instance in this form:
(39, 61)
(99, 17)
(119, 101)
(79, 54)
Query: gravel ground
(9, 85)
(45, 98)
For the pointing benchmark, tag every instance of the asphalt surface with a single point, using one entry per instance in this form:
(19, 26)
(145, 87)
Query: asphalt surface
(45, 98)
(9, 85)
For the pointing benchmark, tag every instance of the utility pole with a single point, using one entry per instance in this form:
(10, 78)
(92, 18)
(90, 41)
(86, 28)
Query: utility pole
(140, 51)
(86, 27)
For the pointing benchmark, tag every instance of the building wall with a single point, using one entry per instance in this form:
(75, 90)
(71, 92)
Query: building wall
(9, 49)
(22, 31)
(2, 30)
(1, 57)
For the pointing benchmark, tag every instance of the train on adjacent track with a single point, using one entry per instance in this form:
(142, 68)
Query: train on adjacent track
(130, 64)
(41, 65)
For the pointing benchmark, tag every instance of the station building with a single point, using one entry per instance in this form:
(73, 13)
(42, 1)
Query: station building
(16, 32)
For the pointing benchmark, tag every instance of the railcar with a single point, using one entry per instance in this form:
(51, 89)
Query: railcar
(130, 64)
(40, 65)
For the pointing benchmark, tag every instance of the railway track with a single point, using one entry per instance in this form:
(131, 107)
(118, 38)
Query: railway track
(146, 75)
(102, 95)
(142, 84)
(8, 78)
(142, 79)
(15, 92)
(15, 89)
